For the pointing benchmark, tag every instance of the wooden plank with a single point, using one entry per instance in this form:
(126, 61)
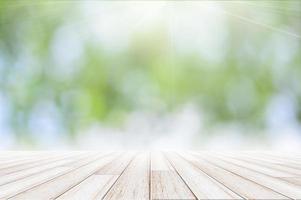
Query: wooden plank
(291, 156)
(165, 181)
(290, 162)
(293, 180)
(289, 171)
(169, 175)
(202, 185)
(8, 167)
(134, 181)
(97, 185)
(160, 163)
(16, 187)
(117, 166)
(294, 167)
(52, 187)
(4, 179)
(256, 167)
(21, 155)
(287, 189)
(25, 166)
(90, 188)
(20, 161)
(21, 185)
(240, 184)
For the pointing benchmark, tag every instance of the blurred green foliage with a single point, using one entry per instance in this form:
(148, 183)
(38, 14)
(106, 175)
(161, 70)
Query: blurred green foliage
(149, 74)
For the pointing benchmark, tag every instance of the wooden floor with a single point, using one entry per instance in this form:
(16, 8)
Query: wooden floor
(149, 175)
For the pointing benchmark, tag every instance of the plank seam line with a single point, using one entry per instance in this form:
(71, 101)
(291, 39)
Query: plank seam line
(20, 162)
(59, 175)
(35, 173)
(36, 165)
(82, 180)
(277, 157)
(243, 177)
(256, 162)
(150, 176)
(223, 160)
(273, 162)
(180, 176)
(241, 166)
(28, 162)
(117, 178)
(185, 199)
(243, 199)
(211, 176)
(260, 164)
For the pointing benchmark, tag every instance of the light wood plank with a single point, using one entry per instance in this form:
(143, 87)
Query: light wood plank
(168, 175)
(96, 186)
(159, 162)
(20, 164)
(293, 180)
(117, 166)
(275, 184)
(202, 185)
(296, 168)
(291, 156)
(26, 183)
(165, 181)
(291, 172)
(284, 161)
(26, 166)
(240, 184)
(256, 167)
(90, 188)
(134, 182)
(58, 185)
(4, 179)
(16, 187)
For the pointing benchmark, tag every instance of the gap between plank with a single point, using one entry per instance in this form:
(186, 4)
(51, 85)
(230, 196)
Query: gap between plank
(236, 175)
(86, 177)
(150, 177)
(180, 176)
(117, 178)
(60, 175)
(210, 176)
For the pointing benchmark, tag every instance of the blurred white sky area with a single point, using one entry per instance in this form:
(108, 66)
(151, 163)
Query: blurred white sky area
(199, 26)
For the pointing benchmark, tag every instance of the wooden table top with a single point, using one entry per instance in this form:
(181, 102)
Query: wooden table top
(149, 175)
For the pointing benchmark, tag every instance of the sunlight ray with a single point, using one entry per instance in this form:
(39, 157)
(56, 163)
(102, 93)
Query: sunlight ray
(268, 9)
(262, 24)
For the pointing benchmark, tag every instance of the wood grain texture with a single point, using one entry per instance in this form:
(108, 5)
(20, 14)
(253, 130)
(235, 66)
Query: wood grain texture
(55, 187)
(96, 186)
(243, 186)
(90, 188)
(201, 184)
(134, 181)
(282, 187)
(166, 183)
(149, 175)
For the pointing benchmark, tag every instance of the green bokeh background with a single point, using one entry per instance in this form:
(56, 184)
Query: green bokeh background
(260, 59)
